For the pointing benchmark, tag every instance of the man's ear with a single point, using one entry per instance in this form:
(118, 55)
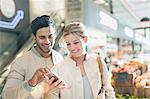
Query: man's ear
(85, 39)
(33, 36)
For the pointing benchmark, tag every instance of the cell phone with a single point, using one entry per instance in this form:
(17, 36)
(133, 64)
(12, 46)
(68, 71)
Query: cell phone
(50, 75)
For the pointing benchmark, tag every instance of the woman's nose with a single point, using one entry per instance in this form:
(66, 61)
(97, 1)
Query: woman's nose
(72, 47)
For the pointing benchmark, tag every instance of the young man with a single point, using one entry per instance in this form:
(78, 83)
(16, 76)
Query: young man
(26, 79)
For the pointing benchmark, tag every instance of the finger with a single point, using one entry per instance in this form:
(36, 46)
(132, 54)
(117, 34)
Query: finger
(47, 70)
(47, 78)
(39, 73)
(49, 75)
(42, 70)
(51, 80)
(57, 83)
(61, 85)
(46, 73)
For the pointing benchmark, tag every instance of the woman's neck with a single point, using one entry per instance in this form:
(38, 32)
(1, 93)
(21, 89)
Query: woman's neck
(79, 63)
(80, 59)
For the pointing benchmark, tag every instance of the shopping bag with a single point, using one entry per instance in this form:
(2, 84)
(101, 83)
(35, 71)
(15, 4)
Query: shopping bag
(101, 94)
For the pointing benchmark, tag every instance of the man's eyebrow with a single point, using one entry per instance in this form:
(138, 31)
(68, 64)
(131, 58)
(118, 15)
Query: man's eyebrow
(41, 36)
(51, 34)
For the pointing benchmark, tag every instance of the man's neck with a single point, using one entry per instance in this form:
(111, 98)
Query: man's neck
(43, 54)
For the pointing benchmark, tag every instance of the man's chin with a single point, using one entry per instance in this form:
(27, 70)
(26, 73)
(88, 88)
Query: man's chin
(47, 51)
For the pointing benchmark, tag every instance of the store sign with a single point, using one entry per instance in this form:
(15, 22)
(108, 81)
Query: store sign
(11, 25)
(108, 21)
(122, 76)
(74, 10)
(14, 15)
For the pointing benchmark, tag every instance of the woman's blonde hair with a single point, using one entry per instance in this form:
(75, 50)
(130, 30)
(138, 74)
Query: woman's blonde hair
(76, 28)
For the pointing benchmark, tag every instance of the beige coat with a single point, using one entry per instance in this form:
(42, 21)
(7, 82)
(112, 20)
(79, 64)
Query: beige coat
(71, 74)
(22, 69)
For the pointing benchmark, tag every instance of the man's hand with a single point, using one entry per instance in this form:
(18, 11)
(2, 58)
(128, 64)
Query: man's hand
(38, 76)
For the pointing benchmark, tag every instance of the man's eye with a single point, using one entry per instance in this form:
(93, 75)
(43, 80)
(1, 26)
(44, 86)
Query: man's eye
(50, 37)
(42, 37)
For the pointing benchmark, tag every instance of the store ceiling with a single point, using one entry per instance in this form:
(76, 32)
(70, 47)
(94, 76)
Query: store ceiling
(130, 12)
(48, 7)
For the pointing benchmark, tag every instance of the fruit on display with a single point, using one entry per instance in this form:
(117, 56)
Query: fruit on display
(131, 67)
(131, 81)
(143, 80)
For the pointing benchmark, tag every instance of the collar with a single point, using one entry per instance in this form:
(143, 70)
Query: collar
(86, 57)
(36, 52)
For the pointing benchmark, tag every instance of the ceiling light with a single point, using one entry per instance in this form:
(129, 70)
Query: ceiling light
(6, 53)
(108, 21)
(145, 19)
(99, 1)
(106, 4)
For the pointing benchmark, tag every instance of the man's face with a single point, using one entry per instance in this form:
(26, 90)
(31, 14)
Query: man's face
(45, 39)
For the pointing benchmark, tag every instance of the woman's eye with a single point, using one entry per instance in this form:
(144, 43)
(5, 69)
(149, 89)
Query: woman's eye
(76, 42)
(68, 44)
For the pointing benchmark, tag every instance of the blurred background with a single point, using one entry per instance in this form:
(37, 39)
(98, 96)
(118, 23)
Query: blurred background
(119, 30)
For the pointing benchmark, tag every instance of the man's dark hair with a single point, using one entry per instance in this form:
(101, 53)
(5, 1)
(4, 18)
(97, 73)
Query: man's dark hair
(40, 22)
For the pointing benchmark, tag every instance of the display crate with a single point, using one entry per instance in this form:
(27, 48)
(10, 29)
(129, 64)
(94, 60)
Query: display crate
(123, 79)
(124, 90)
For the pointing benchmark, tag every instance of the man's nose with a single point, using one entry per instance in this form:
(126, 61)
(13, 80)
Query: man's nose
(47, 41)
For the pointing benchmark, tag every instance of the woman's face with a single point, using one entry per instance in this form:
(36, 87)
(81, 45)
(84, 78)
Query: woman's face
(75, 45)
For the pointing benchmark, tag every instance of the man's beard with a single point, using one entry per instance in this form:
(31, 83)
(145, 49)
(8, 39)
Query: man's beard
(48, 50)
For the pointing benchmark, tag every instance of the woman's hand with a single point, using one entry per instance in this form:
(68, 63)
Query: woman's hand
(51, 86)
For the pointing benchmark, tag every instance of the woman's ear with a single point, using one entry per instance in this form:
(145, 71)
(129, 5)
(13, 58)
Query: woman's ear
(85, 39)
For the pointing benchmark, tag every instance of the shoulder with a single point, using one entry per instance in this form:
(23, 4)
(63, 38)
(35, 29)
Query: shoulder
(92, 56)
(66, 63)
(95, 59)
(56, 54)
(96, 56)
(23, 58)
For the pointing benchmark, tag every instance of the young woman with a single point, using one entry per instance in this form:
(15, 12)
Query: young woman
(80, 70)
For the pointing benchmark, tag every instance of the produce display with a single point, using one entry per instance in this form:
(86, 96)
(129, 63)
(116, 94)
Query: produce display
(131, 80)
(131, 67)
(143, 80)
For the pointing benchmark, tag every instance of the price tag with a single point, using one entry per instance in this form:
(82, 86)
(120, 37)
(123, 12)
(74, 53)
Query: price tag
(122, 76)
